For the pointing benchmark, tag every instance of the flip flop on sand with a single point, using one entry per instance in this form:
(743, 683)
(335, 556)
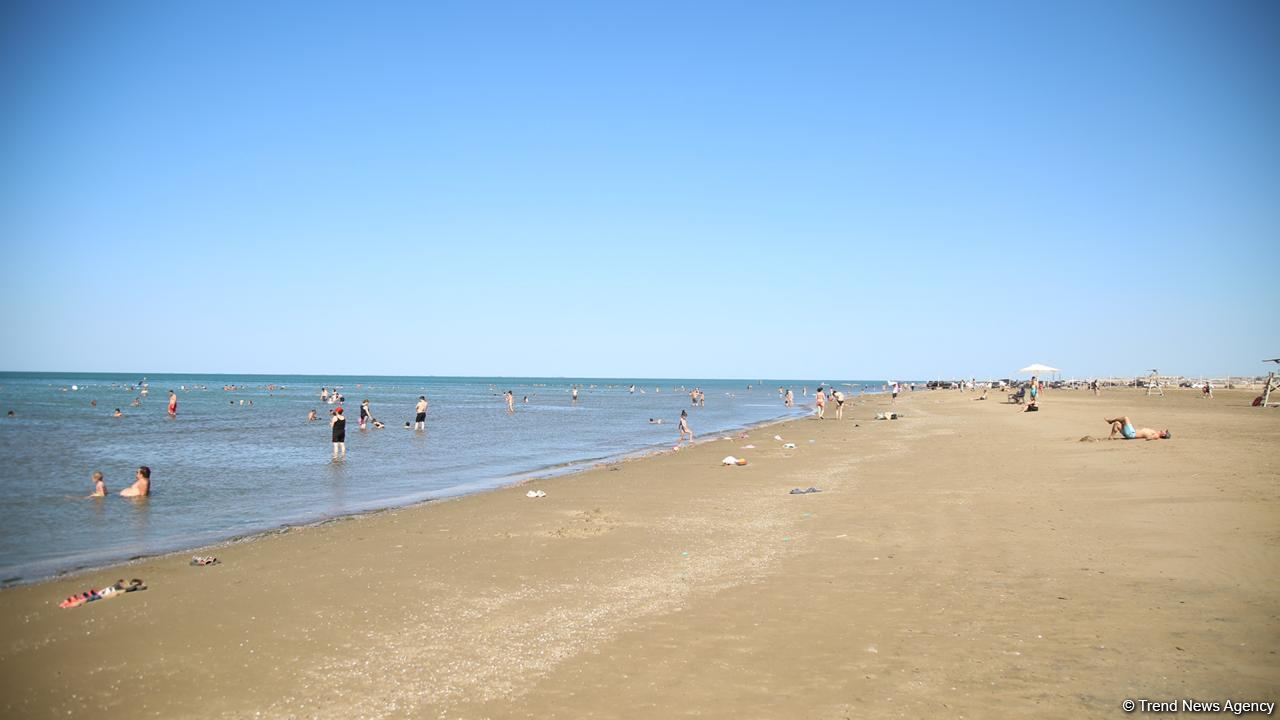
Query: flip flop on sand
(206, 560)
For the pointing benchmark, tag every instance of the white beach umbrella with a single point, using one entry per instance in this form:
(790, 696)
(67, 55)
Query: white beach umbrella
(1038, 369)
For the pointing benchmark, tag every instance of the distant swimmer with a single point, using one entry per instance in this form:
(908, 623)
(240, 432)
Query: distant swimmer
(312, 417)
(99, 485)
(526, 399)
(136, 402)
(117, 413)
(93, 403)
(377, 425)
(173, 404)
(10, 414)
(1122, 427)
(339, 424)
(820, 403)
(420, 418)
(632, 390)
(655, 421)
(684, 426)
(511, 401)
(141, 486)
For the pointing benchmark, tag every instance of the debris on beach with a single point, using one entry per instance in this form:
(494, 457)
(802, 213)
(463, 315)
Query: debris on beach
(106, 593)
(805, 491)
(535, 494)
(731, 460)
(199, 561)
(887, 415)
(789, 446)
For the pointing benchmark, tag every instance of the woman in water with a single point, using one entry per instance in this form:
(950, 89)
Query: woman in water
(339, 424)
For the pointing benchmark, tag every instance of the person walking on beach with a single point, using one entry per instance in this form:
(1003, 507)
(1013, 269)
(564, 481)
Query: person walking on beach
(141, 486)
(894, 387)
(1035, 390)
(173, 404)
(1207, 392)
(339, 425)
(684, 426)
(420, 413)
(820, 400)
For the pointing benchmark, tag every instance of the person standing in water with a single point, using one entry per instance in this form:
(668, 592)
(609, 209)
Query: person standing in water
(511, 402)
(575, 394)
(173, 404)
(420, 418)
(365, 416)
(339, 424)
(684, 426)
(789, 399)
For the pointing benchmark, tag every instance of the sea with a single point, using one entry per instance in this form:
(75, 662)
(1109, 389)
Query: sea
(241, 458)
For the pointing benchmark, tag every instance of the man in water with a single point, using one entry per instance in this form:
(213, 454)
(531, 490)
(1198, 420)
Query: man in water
(173, 404)
(575, 394)
(311, 416)
(1122, 427)
(420, 418)
(141, 486)
(117, 413)
(339, 425)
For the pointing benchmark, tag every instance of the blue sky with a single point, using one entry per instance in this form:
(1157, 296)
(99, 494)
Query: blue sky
(640, 189)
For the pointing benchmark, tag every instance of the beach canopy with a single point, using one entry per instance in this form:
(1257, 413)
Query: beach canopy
(1038, 369)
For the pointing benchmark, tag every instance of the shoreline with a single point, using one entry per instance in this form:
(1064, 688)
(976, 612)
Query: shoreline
(955, 561)
(481, 487)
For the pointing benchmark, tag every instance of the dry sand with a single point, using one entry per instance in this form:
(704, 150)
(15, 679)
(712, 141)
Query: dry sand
(964, 561)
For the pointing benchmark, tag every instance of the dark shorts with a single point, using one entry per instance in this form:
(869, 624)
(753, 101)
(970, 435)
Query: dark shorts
(421, 417)
(339, 437)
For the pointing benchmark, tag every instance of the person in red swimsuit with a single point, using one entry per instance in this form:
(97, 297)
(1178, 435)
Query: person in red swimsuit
(173, 404)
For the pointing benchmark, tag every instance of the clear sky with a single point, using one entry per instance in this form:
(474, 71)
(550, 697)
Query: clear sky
(826, 190)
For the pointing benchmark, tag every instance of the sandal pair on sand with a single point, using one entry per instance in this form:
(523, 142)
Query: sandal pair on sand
(106, 593)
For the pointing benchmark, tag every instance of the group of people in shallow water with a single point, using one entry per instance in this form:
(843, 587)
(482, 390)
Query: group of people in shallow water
(141, 486)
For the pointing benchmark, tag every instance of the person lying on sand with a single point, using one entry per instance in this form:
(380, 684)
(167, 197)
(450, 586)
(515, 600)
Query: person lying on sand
(141, 486)
(1121, 426)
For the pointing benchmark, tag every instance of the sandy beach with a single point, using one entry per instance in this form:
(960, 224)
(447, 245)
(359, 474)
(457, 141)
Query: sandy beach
(966, 560)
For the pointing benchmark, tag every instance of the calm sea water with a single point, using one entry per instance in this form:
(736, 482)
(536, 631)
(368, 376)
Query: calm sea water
(224, 469)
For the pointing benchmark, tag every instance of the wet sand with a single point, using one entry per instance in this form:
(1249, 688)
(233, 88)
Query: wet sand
(967, 560)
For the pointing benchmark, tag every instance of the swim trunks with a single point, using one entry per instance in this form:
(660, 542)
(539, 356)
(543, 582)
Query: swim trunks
(421, 417)
(340, 431)
(1128, 432)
